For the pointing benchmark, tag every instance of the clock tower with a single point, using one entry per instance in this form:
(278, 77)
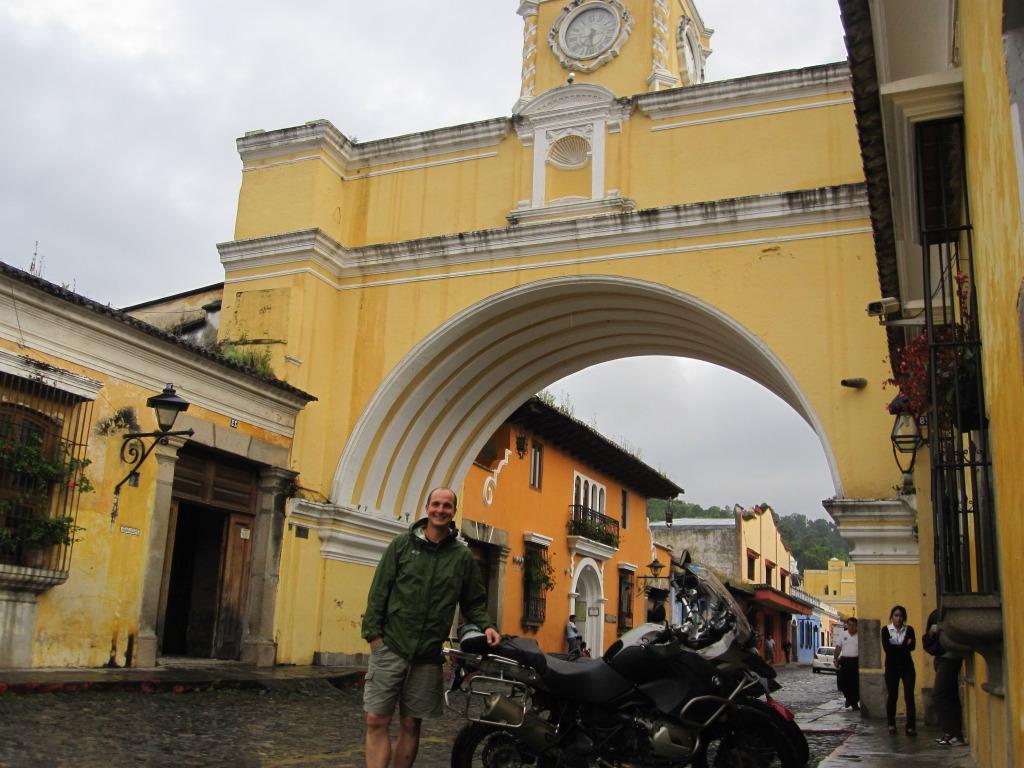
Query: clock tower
(626, 46)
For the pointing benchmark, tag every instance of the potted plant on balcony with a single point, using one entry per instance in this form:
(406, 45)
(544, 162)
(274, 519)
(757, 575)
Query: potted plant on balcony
(956, 369)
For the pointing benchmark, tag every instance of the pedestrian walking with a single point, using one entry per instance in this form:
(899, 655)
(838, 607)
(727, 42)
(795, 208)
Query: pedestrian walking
(898, 642)
(572, 635)
(423, 575)
(787, 649)
(769, 650)
(847, 655)
(946, 691)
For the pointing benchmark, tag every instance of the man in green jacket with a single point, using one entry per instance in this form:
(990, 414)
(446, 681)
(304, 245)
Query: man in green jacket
(423, 574)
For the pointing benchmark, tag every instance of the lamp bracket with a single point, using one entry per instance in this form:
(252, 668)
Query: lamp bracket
(134, 451)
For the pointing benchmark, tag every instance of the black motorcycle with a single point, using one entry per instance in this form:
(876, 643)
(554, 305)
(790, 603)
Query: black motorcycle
(662, 696)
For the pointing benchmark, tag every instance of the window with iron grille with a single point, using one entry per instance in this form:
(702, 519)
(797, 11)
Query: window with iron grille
(43, 433)
(625, 600)
(955, 399)
(537, 582)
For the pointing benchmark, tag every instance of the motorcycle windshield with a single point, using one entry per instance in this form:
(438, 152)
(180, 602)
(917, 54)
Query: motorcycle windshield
(716, 601)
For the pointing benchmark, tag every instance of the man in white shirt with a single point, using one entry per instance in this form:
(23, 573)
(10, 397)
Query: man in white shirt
(847, 655)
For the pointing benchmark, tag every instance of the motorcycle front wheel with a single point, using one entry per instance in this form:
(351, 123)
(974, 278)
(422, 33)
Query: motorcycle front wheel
(747, 740)
(487, 746)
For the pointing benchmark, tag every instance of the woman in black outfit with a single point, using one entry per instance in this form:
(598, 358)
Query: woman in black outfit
(898, 641)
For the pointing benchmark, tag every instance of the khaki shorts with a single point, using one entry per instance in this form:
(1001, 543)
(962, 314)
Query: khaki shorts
(392, 680)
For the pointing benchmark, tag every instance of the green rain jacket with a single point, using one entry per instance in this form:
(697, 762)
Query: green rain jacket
(415, 590)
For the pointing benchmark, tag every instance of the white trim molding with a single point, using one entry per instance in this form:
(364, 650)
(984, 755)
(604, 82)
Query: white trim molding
(491, 482)
(580, 545)
(347, 534)
(25, 367)
(322, 138)
(882, 531)
(747, 91)
(532, 537)
(570, 237)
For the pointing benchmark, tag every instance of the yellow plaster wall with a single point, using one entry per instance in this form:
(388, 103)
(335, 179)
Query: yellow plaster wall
(999, 270)
(90, 617)
(760, 535)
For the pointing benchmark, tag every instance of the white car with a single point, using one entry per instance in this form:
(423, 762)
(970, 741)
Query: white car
(824, 660)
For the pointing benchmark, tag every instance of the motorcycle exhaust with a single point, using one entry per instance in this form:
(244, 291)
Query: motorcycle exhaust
(533, 732)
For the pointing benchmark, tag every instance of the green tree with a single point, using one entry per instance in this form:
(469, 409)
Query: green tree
(813, 542)
(656, 510)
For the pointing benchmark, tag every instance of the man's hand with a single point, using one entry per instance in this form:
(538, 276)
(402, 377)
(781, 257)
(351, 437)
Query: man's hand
(376, 641)
(492, 635)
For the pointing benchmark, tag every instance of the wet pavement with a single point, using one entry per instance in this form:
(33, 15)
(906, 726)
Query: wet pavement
(290, 717)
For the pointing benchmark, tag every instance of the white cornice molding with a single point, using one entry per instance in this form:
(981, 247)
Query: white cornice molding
(882, 531)
(532, 537)
(569, 105)
(827, 205)
(37, 320)
(321, 137)
(346, 534)
(566, 209)
(747, 91)
(26, 367)
(580, 545)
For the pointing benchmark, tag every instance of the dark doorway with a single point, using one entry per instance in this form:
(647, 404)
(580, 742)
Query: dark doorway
(209, 547)
(192, 591)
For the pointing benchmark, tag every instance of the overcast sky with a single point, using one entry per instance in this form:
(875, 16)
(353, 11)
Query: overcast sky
(117, 155)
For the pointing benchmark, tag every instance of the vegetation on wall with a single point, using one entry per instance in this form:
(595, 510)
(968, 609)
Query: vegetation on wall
(242, 352)
(32, 475)
(537, 571)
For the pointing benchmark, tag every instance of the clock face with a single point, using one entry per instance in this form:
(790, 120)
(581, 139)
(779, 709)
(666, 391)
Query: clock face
(591, 32)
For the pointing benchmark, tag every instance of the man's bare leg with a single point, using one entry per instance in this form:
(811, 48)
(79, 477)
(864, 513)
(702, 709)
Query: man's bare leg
(378, 742)
(408, 743)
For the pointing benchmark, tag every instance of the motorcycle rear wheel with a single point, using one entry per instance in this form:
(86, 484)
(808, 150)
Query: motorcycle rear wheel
(748, 740)
(487, 746)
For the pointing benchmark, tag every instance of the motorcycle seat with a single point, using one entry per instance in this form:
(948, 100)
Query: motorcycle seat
(588, 681)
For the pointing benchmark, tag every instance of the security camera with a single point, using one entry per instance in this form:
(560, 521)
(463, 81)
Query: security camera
(882, 307)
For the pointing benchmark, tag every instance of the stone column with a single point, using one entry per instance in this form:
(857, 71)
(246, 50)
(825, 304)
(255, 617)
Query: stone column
(166, 455)
(872, 679)
(258, 646)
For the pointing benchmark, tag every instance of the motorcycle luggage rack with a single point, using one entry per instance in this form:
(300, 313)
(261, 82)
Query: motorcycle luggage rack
(485, 696)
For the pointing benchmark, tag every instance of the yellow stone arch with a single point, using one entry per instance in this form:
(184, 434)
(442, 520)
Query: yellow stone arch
(435, 409)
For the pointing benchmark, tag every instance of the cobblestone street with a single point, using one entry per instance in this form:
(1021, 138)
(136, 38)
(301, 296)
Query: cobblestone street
(308, 724)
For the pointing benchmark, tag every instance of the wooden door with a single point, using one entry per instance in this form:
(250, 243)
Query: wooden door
(234, 586)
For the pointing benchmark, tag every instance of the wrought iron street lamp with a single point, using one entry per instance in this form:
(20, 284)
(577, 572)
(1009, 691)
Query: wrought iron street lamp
(906, 439)
(655, 567)
(167, 405)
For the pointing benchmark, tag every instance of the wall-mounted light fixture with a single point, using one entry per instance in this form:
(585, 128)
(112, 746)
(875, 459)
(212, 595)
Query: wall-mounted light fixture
(521, 445)
(906, 440)
(167, 405)
(655, 567)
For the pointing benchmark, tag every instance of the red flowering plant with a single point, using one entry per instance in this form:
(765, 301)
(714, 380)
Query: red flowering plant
(955, 363)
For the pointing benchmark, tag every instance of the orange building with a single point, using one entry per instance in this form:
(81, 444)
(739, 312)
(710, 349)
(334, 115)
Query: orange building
(557, 516)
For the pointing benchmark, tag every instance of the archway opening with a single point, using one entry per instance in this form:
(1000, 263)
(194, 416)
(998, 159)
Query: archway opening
(442, 402)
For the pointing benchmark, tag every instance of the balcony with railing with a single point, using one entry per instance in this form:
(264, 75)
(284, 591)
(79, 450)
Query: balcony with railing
(592, 533)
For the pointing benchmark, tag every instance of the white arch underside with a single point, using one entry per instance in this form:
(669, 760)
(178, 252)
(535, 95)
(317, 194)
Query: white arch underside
(441, 403)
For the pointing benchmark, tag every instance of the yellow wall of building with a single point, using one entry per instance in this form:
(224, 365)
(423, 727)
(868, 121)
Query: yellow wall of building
(88, 620)
(998, 242)
(759, 535)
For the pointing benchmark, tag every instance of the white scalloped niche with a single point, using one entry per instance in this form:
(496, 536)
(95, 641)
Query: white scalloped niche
(569, 152)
